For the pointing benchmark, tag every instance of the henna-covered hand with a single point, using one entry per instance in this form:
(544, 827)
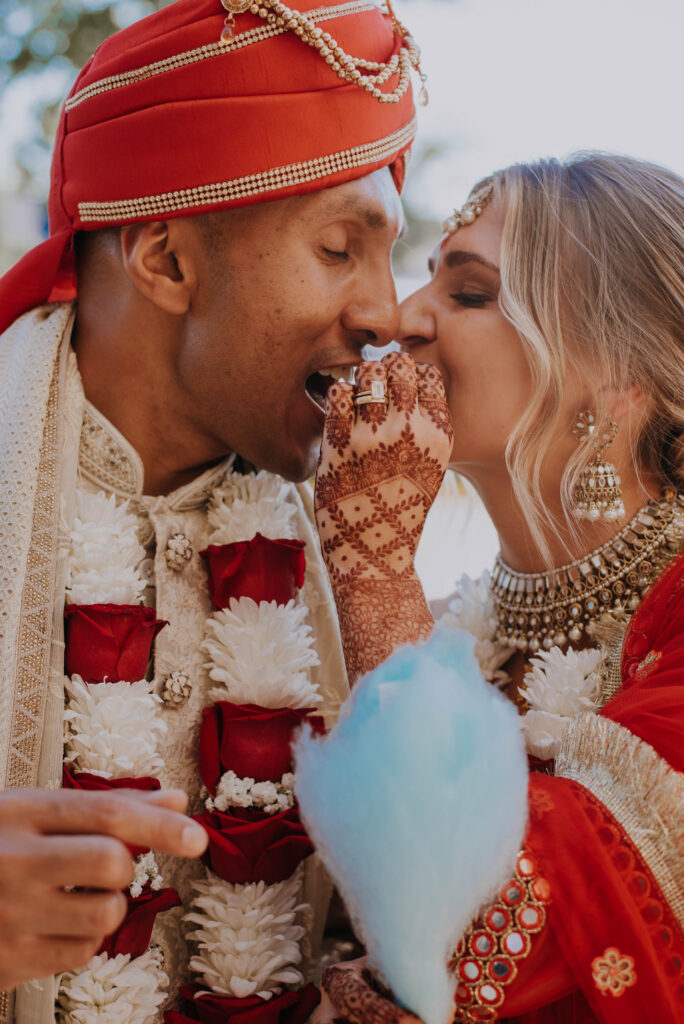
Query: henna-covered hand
(352, 995)
(380, 470)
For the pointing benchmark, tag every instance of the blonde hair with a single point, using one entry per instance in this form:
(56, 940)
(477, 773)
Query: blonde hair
(592, 269)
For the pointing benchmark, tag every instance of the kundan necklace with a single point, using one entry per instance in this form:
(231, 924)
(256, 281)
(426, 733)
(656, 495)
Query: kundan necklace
(549, 609)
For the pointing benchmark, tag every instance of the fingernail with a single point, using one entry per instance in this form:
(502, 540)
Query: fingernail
(195, 839)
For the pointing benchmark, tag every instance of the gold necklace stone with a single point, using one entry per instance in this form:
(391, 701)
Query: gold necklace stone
(545, 609)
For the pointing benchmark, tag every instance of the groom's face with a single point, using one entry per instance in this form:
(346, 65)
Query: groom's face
(288, 290)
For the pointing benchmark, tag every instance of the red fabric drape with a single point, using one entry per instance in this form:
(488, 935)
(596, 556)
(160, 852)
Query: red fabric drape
(604, 895)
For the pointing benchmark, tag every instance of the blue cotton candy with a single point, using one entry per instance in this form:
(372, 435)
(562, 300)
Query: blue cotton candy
(416, 801)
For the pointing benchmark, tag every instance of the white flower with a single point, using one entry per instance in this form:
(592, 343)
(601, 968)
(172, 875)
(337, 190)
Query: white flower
(112, 729)
(543, 732)
(145, 870)
(558, 686)
(249, 504)
(563, 682)
(249, 487)
(232, 791)
(105, 553)
(264, 793)
(248, 942)
(113, 991)
(261, 654)
(473, 611)
(272, 797)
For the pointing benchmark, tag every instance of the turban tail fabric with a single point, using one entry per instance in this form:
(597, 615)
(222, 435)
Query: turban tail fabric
(168, 120)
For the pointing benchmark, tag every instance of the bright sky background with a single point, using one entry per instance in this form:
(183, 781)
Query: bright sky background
(516, 79)
(511, 80)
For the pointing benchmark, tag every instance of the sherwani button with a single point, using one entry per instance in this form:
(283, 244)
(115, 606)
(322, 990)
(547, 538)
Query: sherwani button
(176, 689)
(178, 552)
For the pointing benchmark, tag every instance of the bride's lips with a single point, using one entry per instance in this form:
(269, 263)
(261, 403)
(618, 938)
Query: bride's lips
(319, 382)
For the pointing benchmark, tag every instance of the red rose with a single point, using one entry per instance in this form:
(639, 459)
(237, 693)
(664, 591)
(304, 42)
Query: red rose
(96, 783)
(84, 780)
(251, 741)
(109, 641)
(251, 846)
(133, 934)
(263, 569)
(288, 1008)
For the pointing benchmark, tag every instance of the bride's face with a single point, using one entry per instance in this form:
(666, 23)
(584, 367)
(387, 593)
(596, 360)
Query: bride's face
(455, 323)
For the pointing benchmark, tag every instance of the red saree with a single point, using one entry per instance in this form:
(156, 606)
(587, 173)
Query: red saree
(592, 927)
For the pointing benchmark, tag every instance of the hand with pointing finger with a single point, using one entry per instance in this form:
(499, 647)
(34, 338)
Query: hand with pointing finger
(53, 842)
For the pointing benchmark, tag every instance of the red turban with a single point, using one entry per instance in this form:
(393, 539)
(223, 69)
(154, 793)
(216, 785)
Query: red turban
(169, 120)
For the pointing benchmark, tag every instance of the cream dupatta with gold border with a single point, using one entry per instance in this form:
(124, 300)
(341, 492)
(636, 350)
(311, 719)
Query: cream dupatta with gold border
(41, 407)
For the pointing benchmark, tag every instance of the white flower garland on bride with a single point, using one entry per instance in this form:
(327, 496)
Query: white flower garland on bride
(559, 685)
(472, 610)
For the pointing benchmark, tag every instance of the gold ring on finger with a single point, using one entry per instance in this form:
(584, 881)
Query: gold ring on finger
(376, 394)
(369, 400)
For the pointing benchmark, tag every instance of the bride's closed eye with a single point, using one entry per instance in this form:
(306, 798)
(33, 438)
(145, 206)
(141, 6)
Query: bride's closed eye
(471, 299)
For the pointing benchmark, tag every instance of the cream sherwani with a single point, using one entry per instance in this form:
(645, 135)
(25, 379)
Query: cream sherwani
(51, 441)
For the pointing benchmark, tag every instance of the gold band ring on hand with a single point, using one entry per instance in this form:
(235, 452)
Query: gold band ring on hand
(376, 395)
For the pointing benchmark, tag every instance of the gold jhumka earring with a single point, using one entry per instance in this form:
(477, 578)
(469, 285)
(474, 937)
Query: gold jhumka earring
(597, 493)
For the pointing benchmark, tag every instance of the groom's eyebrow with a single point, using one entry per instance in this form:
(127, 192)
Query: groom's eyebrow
(458, 257)
(372, 215)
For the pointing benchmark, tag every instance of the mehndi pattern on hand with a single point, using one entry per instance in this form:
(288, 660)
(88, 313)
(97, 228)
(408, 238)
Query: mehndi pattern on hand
(380, 470)
(360, 999)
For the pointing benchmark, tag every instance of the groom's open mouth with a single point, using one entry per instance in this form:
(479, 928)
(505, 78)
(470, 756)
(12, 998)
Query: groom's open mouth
(318, 383)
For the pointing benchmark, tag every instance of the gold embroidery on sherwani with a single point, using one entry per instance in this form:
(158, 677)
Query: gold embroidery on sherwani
(35, 628)
(639, 789)
(32, 363)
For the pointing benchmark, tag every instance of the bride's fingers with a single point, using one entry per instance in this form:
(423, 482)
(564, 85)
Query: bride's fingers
(358, 1002)
(372, 413)
(402, 382)
(339, 416)
(432, 398)
(325, 1012)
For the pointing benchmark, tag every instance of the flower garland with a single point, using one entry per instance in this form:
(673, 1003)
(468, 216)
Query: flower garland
(111, 731)
(247, 918)
(246, 915)
(113, 989)
(559, 685)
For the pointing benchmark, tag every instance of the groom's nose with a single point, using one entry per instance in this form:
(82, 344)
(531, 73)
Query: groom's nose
(373, 315)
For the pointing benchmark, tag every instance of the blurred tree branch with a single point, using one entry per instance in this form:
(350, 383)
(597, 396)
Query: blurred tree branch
(47, 38)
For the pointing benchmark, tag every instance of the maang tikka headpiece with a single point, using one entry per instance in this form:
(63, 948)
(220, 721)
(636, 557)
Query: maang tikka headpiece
(479, 197)
(367, 74)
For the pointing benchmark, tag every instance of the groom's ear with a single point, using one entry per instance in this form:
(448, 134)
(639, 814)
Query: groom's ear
(160, 259)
